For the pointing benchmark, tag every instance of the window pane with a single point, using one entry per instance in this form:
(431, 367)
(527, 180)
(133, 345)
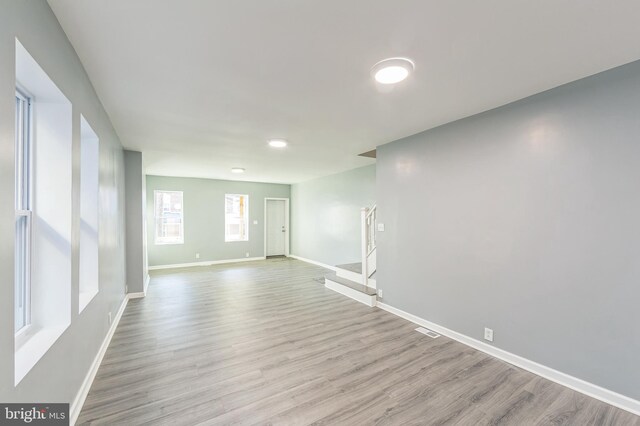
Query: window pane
(23, 216)
(21, 272)
(169, 226)
(236, 217)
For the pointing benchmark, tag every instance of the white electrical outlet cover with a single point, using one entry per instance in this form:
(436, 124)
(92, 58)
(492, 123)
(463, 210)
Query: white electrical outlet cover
(488, 334)
(381, 227)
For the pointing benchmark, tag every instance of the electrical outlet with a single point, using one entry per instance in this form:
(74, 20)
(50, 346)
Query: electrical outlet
(255, 222)
(197, 255)
(109, 316)
(381, 227)
(488, 334)
(246, 254)
(380, 293)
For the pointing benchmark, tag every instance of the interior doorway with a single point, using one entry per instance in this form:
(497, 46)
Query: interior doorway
(276, 229)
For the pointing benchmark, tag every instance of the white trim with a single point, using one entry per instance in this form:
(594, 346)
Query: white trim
(138, 295)
(605, 395)
(364, 243)
(373, 283)
(78, 402)
(350, 293)
(286, 221)
(146, 284)
(205, 263)
(313, 262)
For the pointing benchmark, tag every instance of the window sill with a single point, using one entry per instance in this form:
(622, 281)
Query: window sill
(31, 346)
(85, 298)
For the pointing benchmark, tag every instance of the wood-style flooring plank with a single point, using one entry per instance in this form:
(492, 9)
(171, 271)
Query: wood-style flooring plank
(265, 342)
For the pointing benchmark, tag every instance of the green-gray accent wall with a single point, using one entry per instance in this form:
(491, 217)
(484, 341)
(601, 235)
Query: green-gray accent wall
(203, 201)
(325, 214)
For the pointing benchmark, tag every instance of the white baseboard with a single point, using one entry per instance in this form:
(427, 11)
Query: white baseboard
(610, 397)
(205, 263)
(78, 402)
(136, 295)
(146, 284)
(313, 262)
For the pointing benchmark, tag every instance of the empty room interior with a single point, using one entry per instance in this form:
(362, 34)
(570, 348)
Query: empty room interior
(282, 212)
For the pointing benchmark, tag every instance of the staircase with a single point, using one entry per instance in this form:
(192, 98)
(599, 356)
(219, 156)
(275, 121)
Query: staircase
(357, 280)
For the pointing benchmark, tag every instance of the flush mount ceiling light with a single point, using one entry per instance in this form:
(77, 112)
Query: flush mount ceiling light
(392, 70)
(277, 143)
(237, 170)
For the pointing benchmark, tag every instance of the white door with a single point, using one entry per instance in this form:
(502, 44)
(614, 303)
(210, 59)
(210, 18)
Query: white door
(276, 227)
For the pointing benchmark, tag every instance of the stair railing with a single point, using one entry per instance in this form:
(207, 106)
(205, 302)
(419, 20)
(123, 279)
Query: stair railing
(368, 232)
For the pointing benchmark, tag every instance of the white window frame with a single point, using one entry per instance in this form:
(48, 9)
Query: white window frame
(23, 206)
(227, 237)
(158, 240)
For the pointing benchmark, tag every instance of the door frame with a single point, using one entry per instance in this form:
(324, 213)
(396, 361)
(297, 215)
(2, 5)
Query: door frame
(286, 224)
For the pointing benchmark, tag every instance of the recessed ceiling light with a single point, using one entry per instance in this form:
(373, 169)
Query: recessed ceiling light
(392, 70)
(237, 170)
(277, 143)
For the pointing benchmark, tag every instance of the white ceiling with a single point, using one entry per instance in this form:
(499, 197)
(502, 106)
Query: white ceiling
(200, 85)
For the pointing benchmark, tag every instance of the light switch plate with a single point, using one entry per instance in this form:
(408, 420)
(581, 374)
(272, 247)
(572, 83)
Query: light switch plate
(381, 227)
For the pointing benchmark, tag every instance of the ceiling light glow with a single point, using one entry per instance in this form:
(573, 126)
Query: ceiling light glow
(237, 170)
(277, 143)
(392, 70)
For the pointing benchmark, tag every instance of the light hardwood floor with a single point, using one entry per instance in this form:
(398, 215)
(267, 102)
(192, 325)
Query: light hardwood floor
(265, 343)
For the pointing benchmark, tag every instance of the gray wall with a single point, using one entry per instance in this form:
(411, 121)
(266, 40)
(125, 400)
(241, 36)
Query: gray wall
(525, 219)
(135, 207)
(326, 215)
(57, 377)
(204, 219)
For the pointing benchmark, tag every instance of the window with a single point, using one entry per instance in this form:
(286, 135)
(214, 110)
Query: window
(43, 205)
(89, 191)
(169, 218)
(236, 217)
(23, 212)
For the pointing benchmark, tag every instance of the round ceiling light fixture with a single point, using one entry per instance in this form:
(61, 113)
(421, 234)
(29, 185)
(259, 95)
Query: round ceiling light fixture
(277, 143)
(237, 170)
(392, 70)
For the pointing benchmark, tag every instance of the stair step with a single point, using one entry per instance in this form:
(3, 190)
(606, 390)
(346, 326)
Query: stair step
(351, 284)
(352, 267)
(350, 271)
(351, 289)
